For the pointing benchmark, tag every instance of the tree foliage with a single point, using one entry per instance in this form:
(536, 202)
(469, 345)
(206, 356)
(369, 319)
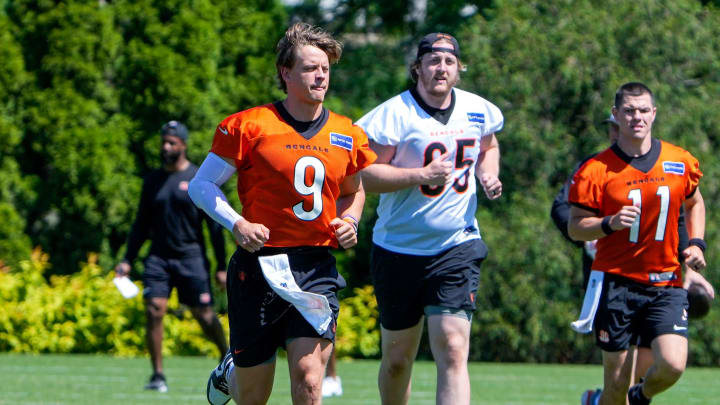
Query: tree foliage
(553, 68)
(85, 86)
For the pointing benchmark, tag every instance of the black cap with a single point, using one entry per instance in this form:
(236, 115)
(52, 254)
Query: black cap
(426, 44)
(175, 128)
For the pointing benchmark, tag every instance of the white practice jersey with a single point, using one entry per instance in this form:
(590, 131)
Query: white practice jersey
(426, 220)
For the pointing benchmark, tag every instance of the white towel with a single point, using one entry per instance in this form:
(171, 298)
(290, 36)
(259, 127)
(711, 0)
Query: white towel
(590, 303)
(127, 288)
(313, 307)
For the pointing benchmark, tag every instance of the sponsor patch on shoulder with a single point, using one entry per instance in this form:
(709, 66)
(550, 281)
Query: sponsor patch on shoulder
(674, 167)
(476, 117)
(343, 141)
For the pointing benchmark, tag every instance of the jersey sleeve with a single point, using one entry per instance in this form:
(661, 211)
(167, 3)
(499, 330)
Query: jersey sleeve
(227, 141)
(585, 190)
(494, 121)
(381, 124)
(694, 174)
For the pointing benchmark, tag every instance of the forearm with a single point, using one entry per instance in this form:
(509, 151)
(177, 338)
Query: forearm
(140, 230)
(351, 204)
(585, 228)
(489, 157)
(138, 236)
(695, 217)
(489, 162)
(385, 178)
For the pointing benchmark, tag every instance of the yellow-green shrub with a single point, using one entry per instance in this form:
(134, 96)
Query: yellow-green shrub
(84, 313)
(358, 334)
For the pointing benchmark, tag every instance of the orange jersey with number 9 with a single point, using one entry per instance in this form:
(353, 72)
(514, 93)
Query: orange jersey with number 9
(286, 182)
(646, 252)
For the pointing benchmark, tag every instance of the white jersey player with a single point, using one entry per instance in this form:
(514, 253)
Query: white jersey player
(431, 141)
(406, 216)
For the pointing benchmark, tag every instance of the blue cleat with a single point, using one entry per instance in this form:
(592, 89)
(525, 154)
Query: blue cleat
(591, 397)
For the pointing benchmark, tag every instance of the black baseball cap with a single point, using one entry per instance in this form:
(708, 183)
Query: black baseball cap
(175, 128)
(426, 44)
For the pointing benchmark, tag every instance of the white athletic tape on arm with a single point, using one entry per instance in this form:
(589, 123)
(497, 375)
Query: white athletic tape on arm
(204, 190)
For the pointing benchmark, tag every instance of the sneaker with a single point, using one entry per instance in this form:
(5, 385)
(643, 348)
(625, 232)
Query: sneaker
(332, 387)
(218, 390)
(591, 397)
(636, 397)
(157, 383)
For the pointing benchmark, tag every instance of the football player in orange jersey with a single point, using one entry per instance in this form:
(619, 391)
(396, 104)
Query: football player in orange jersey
(629, 198)
(301, 192)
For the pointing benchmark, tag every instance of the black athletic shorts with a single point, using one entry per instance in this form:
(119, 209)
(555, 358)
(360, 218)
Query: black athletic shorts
(406, 284)
(260, 320)
(190, 276)
(634, 313)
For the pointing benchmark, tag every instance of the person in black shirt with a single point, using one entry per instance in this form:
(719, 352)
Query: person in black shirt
(177, 258)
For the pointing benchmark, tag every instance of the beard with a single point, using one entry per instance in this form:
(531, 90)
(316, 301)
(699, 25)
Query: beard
(427, 82)
(170, 158)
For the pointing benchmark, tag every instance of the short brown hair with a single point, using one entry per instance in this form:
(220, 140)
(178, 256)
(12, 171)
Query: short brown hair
(632, 89)
(301, 34)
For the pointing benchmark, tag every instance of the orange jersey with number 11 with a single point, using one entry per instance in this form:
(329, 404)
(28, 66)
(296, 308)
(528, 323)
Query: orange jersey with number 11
(286, 182)
(658, 183)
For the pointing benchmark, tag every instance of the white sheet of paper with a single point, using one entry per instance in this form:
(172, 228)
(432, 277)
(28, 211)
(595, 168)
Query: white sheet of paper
(127, 288)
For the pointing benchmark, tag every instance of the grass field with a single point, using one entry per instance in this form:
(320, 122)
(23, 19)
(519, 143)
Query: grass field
(79, 379)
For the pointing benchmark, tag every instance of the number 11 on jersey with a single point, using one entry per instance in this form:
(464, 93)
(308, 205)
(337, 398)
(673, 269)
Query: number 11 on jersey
(636, 197)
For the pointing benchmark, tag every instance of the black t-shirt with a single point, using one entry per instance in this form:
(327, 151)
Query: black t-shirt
(167, 216)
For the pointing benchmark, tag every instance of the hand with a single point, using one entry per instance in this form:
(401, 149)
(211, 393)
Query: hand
(438, 172)
(624, 218)
(693, 277)
(344, 233)
(492, 186)
(250, 236)
(122, 269)
(694, 258)
(221, 279)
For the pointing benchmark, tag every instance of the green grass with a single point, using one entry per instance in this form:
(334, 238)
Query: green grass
(79, 379)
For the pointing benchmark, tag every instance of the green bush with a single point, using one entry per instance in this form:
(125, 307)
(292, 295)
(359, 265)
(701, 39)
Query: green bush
(358, 333)
(84, 313)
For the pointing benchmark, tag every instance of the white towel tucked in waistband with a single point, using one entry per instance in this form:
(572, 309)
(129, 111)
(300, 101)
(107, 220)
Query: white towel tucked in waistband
(590, 303)
(313, 307)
